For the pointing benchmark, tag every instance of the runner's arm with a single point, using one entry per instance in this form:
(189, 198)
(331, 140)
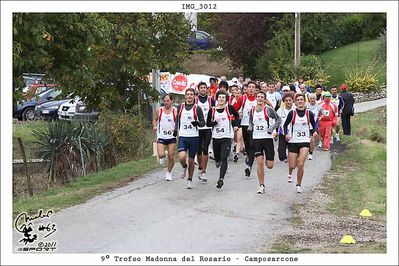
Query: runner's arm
(287, 122)
(234, 112)
(177, 119)
(209, 122)
(273, 114)
(200, 117)
(312, 122)
(251, 122)
(155, 122)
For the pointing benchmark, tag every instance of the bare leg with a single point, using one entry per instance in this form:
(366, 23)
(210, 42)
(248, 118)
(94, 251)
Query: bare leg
(292, 158)
(260, 169)
(161, 150)
(303, 153)
(191, 167)
(171, 156)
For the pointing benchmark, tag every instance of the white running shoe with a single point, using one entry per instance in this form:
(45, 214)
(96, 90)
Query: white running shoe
(183, 172)
(290, 179)
(261, 190)
(337, 138)
(202, 177)
(168, 176)
(298, 189)
(320, 145)
(189, 184)
(310, 157)
(162, 161)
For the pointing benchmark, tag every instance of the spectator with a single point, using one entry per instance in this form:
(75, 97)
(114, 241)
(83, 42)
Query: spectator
(347, 110)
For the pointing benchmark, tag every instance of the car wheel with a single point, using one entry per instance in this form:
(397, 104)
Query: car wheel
(28, 114)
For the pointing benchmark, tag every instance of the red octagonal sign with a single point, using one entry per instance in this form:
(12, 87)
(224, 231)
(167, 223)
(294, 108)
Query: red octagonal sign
(179, 82)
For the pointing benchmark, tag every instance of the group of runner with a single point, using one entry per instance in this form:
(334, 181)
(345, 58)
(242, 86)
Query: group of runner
(247, 118)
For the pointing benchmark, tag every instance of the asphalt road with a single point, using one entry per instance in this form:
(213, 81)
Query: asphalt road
(151, 215)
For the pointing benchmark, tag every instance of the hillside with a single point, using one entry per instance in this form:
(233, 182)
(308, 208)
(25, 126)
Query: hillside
(338, 60)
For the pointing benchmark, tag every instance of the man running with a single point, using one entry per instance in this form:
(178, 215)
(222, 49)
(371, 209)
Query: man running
(335, 98)
(288, 100)
(245, 103)
(273, 96)
(262, 134)
(189, 118)
(164, 126)
(327, 120)
(302, 127)
(205, 133)
(315, 109)
(220, 118)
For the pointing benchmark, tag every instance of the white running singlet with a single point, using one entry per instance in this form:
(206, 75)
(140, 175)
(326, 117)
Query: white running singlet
(205, 108)
(247, 107)
(300, 129)
(166, 124)
(223, 129)
(260, 124)
(186, 117)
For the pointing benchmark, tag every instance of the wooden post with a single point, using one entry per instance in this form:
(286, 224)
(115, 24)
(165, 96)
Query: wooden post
(28, 179)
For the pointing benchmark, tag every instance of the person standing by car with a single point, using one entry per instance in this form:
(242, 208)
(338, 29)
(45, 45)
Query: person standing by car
(164, 126)
(205, 133)
(189, 118)
(298, 137)
(262, 129)
(347, 110)
(220, 118)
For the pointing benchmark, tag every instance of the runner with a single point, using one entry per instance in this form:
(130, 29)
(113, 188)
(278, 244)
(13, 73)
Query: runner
(273, 96)
(319, 94)
(205, 133)
(239, 144)
(164, 126)
(223, 127)
(286, 107)
(189, 118)
(327, 120)
(315, 109)
(262, 134)
(245, 104)
(302, 127)
(335, 98)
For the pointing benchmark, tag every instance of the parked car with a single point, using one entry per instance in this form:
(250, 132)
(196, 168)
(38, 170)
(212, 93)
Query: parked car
(34, 89)
(200, 40)
(49, 110)
(66, 111)
(83, 114)
(25, 110)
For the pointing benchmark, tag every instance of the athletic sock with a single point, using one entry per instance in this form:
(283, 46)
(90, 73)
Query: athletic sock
(185, 165)
(310, 152)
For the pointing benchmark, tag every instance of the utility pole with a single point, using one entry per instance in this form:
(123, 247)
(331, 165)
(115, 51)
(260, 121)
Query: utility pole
(156, 75)
(297, 60)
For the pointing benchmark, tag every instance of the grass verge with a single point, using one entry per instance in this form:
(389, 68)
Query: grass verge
(86, 187)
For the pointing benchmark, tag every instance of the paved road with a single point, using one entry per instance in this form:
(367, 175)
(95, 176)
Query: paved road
(151, 215)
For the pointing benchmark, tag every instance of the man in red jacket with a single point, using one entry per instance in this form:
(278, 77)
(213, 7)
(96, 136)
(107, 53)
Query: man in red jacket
(327, 119)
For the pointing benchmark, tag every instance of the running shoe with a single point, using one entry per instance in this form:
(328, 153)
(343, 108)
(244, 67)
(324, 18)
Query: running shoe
(325, 149)
(290, 179)
(261, 190)
(337, 138)
(183, 173)
(202, 177)
(189, 184)
(168, 176)
(320, 145)
(235, 159)
(298, 189)
(247, 171)
(220, 183)
(310, 157)
(217, 164)
(162, 161)
(286, 160)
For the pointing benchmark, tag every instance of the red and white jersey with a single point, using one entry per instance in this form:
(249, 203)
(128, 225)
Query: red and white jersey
(260, 121)
(224, 128)
(186, 129)
(206, 106)
(300, 131)
(329, 111)
(247, 106)
(166, 123)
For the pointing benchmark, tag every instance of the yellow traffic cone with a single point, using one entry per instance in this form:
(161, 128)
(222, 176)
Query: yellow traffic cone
(347, 239)
(365, 213)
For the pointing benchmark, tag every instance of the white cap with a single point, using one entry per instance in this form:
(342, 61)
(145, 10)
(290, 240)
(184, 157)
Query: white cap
(234, 79)
(286, 88)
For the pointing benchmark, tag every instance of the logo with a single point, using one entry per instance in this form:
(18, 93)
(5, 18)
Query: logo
(179, 82)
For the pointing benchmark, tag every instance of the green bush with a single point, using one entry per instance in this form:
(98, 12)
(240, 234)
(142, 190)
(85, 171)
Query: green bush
(362, 79)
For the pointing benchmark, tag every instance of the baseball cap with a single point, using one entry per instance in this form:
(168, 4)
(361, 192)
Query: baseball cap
(285, 88)
(343, 87)
(327, 94)
(234, 79)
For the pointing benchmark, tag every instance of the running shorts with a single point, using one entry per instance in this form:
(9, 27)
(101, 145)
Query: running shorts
(264, 146)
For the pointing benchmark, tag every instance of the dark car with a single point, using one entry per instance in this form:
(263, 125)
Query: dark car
(25, 110)
(48, 110)
(200, 40)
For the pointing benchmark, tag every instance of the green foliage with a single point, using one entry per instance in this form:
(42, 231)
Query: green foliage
(381, 49)
(362, 79)
(63, 143)
(129, 133)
